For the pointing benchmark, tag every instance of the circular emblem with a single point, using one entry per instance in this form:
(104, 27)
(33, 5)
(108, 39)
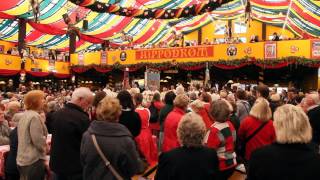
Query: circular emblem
(232, 50)
(123, 56)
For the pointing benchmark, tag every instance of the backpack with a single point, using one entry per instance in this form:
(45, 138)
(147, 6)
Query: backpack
(154, 114)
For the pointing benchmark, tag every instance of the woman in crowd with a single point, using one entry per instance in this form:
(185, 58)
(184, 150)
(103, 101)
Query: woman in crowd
(191, 161)
(13, 107)
(114, 140)
(197, 106)
(145, 142)
(32, 133)
(97, 98)
(291, 156)
(222, 137)
(275, 102)
(170, 140)
(4, 129)
(168, 100)
(52, 107)
(243, 106)
(11, 169)
(259, 120)
(129, 117)
(157, 105)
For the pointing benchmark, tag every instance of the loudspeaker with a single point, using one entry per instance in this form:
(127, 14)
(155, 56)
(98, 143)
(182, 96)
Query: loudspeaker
(85, 25)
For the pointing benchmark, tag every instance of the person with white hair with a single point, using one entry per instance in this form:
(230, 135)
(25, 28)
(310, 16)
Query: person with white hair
(68, 125)
(312, 103)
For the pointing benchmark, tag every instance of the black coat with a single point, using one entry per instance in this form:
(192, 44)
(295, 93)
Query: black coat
(284, 162)
(11, 163)
(131, 120)
(117, 144)
(188, 164)
(69, 124)
(314, 118)
(49, 121)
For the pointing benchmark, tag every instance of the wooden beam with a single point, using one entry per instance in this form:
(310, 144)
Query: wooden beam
(22, 24)
(72, 42)
(264, 31)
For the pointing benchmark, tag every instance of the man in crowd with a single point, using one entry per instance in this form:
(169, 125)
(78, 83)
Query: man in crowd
(68, 125)
(313, 111)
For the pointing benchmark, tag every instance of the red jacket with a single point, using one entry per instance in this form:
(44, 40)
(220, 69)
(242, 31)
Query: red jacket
(170, 139)
(264, 137)
(203, 112)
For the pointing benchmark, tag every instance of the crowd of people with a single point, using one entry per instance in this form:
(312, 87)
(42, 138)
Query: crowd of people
(187, 133)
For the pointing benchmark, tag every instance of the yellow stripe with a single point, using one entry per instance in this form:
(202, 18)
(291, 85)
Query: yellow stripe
(115, 20)
(57, 16)
(157, 4)
(306, 22)
(308, 12)
(21, 9)
(227, 12)
(128, 27)
(84, 46)
(41, 40)
(156, 33)
(269, 7)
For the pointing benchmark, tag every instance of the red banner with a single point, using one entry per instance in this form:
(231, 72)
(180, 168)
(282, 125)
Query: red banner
(173, 53)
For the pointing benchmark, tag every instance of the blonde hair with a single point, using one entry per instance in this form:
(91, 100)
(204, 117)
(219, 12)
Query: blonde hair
(261, 110)
(109, 109)
(196, 105)
(181, 101)
(33, 100)
(13, 105)
(191, 130)
(292, 125)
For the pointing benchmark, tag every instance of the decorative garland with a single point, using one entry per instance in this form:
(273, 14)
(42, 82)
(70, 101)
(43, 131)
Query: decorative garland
(192, 10)
(222, 64)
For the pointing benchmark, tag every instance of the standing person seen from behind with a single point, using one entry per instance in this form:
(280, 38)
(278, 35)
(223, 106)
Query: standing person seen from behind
(129, 118)
(256, 130)
(221, 137)
(291, 156)
(170, 140)
(32, 134)
(115, 142)
(191, 161)
(69, 123)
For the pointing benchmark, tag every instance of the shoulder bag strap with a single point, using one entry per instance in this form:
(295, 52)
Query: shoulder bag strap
(104, 158)
(245, 106)
(255, 132)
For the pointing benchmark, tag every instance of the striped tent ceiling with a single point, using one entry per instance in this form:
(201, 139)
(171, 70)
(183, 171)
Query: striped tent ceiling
(301, 16)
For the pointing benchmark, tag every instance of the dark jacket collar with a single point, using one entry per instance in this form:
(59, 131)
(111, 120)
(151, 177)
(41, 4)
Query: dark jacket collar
(76, 107)
(110, 129)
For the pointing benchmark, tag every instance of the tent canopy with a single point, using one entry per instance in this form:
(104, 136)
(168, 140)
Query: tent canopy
(300, 16)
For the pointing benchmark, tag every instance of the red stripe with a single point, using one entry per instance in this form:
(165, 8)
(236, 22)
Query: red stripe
(304, 15)
(34, 35)
(78, 44)
(122, 24)
(304, 34)
(193, 24)
(6, 16)
(149, 33)
(275, 3)
(269, 18)
(6, 5)
(60, 23)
